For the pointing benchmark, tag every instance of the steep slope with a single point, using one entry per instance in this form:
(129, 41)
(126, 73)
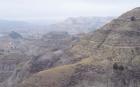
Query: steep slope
(111, 58)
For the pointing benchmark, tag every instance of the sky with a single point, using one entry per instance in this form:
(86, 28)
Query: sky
(59, 9)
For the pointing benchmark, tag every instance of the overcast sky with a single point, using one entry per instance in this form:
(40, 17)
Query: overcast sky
(57, 9)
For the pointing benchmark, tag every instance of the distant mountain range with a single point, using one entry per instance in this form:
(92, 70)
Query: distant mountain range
(80, 24)
(6, 25)
(71, 25)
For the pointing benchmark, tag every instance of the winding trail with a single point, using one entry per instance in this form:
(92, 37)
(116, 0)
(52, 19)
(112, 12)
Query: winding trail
(115, 46)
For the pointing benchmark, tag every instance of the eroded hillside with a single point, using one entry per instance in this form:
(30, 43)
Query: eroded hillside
(110, 58)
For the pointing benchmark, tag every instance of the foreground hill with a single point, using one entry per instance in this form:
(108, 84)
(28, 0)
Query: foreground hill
(110, 58)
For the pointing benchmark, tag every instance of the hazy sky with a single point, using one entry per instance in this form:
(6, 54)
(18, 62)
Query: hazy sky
(51, 9)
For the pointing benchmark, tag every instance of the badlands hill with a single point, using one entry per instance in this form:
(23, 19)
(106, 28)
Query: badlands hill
(110, 57)
(23, 57)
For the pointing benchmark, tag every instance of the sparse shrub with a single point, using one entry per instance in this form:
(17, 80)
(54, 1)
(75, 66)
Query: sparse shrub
(132, 18)
(121, 68)
(115, 66)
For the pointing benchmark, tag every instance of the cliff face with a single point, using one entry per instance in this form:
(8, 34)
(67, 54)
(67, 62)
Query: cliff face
(8, 63)
(110, 58)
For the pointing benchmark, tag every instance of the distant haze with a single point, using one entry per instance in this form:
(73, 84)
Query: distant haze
(60, 9)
